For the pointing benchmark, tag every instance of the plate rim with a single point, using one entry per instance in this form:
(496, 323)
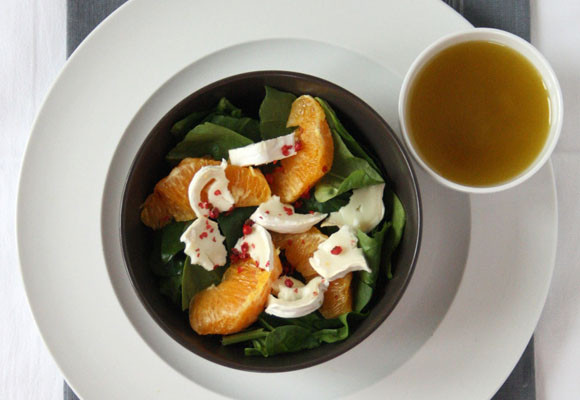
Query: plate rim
(26, 161)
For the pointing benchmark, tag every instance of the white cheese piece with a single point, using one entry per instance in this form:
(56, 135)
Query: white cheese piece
(279, 217)
(264, 152)
(294, 299)
(259, 246)
(338, 255)
(218, 194)
(364, 211)
(204, 244)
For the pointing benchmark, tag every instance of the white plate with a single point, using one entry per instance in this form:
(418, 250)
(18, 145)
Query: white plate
(485, 263)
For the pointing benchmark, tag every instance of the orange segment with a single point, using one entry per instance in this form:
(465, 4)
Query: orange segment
(338, 297)
(248, 186)
(300, 172)
(236, 302)
(170, 200)
(298, 248)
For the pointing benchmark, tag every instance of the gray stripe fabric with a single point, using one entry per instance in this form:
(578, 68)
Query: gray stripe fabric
(510, 15)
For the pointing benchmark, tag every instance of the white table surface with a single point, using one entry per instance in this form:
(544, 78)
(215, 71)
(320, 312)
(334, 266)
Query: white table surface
(32, 51)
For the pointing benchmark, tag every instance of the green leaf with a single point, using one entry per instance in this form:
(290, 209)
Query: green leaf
(244, 336)
(295, 334)
(371, 246)
(207, 139)
(171, 287)
(347, 173)
(225, 107)
(289, 339)
(274, 112)
(181, 127)
(335, 125)
(158, 266)
(332, 335)
(231, 224)
(362, 296)
(331, 205)
(398, 219)
(170, 243)
(245, 126)
(195, 278)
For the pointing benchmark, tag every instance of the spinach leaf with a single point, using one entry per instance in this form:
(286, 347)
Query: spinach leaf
(245, 126)
(280, 335)
(331, 205)
(398, 219)
(367, 281)
(289, 339)
(231, 224)
(171, 287)
(181, 127)
(195, 278)
(336, 126)
(225, 107)
(274, 112)
(158, 266)
(348, 172)
(244, 336)
(207, 139)
(170, 243)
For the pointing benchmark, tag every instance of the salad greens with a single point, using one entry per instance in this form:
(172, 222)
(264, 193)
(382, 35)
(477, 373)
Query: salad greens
(348, 171)
(214, 132)
(231, 224)
(207, 139)
(274, 113)
(195, 278)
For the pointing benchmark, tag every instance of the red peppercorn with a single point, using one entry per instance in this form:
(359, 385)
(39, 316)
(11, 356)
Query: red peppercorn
(214, 213)
(249, 222)
(298, 145)
(217, 192)
(311, 212)
(216, 266)
(246, 229)
(288, 282)
(286, 149)
(245, 247)
(203, 235)
(324, 169)
(288, 210)
(336, 250)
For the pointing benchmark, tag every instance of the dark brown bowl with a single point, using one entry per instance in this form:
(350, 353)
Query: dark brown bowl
(247, 91)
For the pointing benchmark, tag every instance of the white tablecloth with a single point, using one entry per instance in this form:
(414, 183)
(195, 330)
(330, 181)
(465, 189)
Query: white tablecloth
(32, 51)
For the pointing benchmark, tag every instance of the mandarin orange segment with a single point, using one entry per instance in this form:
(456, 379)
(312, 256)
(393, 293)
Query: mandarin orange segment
(300, 172)
(236, 302)
(170, 199)
(248, 186)
(298, 248)
(338, 297)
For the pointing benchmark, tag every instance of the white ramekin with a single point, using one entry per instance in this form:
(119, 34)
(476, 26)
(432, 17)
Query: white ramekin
(531, 54)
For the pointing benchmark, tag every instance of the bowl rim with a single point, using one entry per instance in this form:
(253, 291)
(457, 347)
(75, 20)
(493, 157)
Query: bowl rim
(346, 345)
(522, 47)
